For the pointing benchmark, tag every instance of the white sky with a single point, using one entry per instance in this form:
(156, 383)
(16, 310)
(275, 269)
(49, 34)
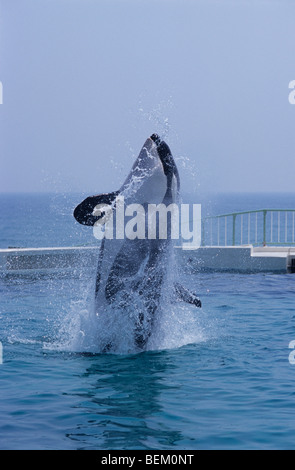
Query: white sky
(85, 82)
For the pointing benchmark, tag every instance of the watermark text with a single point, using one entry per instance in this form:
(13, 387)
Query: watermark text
(292, 93)
(149, 221)
(292, 353)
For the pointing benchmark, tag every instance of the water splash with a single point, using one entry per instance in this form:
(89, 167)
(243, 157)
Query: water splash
(157, 117)
(82, 328)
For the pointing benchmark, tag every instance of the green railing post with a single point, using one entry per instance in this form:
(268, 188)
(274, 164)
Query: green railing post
(234, 229)
(264, 227)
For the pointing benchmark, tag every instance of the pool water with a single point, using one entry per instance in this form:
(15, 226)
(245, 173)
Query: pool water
(232, 388)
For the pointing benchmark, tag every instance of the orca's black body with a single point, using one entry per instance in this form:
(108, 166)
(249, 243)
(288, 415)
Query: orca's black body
(132, 273)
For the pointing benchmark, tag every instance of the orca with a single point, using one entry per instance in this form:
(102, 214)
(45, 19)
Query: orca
(132, 273)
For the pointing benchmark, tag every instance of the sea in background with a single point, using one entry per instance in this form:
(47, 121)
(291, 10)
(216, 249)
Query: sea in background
(44, 220)
(220, 378)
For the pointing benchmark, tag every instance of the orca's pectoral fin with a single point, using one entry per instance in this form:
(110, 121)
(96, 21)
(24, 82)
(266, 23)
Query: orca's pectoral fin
(186, 296)
(83, 213)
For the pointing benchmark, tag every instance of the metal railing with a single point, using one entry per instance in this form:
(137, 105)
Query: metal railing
(259, 227)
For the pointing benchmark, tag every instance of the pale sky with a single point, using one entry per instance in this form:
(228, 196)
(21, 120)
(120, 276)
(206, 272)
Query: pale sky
(85, 82)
